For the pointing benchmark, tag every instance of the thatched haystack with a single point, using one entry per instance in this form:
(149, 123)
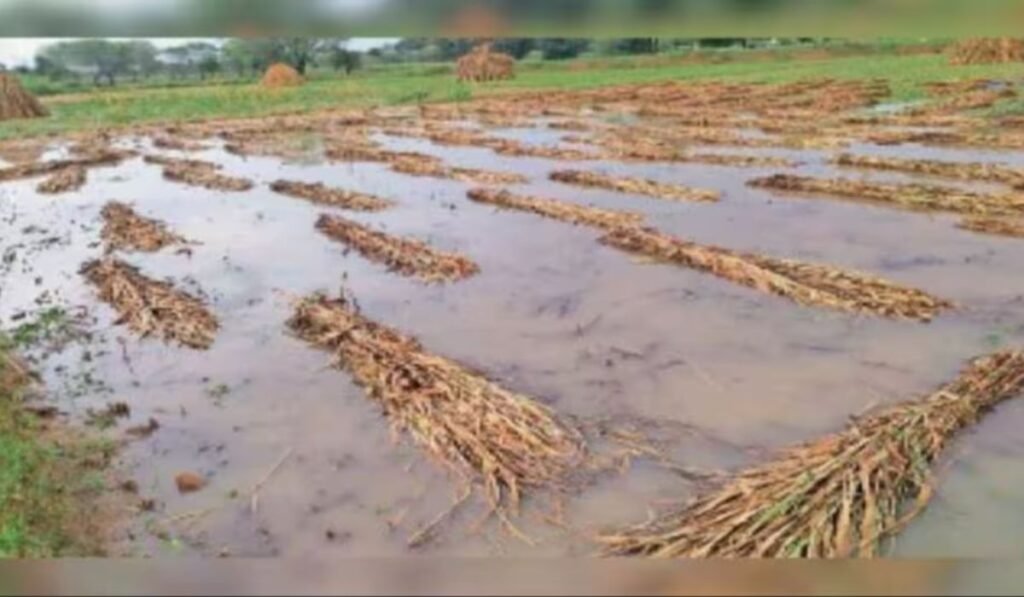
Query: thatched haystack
(15, 102)
(281, 75)
(483, 64)
(986, 50)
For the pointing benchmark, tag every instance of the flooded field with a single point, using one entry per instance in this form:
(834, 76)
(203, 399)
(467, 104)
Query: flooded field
(542, 318)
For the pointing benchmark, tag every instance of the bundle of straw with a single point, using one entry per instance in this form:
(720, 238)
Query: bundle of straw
(123, 229)
(321, 194)
(838, 496)
(505, 440)
(651, 188)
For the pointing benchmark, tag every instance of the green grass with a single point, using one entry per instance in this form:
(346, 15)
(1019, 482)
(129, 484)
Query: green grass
(47, 476)
(405, 84)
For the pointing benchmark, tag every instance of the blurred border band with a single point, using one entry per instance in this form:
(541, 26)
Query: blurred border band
(368, 18)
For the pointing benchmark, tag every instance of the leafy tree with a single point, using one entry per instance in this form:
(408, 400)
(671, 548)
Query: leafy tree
(557, 48)
(209, 66)
(517, 47)
(343, 58)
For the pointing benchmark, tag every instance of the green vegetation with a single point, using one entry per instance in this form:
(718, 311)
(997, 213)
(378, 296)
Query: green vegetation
(48, 476)
(433, 82)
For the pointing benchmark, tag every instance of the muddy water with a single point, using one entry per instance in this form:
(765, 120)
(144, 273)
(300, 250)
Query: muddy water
(721, 372)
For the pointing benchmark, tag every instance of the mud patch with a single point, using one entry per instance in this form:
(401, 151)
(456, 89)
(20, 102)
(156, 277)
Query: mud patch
(152, 307)
(402, 255)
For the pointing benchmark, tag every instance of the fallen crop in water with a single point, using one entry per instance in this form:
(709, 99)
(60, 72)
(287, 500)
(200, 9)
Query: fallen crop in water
(437, 169)
(505, 441)
(32, 169)
(177, 143)
(150, 306)
(405, 256)
(639, 186)
(125, 230)
(558, 210)
(64, 180)
(995, 226)
(804, 283)
(200, 174)
(916, 197)
(838, 496)
(973, 171)
(323, 195)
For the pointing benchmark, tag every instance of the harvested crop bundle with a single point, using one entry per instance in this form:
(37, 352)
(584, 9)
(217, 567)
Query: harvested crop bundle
(177, 143)
(505, 441)
(558, 210)
(995, 226)
(323, 195)
(64, 180)
(161, 160)
(836, 497)
(915, 197)
(125, 230)
(958, 170)
(638, 186)
(280, 74)
(804, 283)
(15, 102)
(405, 256)
(518, 149)
(150, 306)
(986, 50)
(482, 64)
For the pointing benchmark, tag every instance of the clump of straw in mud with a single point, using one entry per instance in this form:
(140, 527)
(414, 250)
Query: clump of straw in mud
(639, 186)
(916, 197)
(62, 181)
(406, 256)
(506, 441)
(804, 283)
(437, 169)
(151, 306)
(125, 230)
(203, 174)
(973, 171)
(177, 143)
(323, 195)
(838, 496)
(995, 226)
(558, 210)
(28, 170)
(519, 149)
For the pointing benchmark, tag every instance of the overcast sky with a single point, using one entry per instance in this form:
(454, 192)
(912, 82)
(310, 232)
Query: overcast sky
(20, 51)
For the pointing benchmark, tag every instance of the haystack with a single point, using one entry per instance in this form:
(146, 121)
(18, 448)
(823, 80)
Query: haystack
(986, 50)
(483, 64)
(281, 75)
(15, 102)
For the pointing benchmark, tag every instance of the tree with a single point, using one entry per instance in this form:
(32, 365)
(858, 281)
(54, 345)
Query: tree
(635, 45)
(343, 58)
(299, 52)
(208, 66)
(557, 48)
(517, 47)
(100, 58)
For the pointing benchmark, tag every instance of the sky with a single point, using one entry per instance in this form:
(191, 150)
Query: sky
(20, 51)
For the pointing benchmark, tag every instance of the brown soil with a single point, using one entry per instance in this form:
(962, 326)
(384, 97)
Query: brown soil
(915, 197)
(125, 230)
(405, 256)
(836, 497)
(152, 307)
(558, 210)
(502, 440)
(15, 102)
(986, 51)
(281, 75)
(672, 192)
(64, 180)
(804, 283)
(323, 195)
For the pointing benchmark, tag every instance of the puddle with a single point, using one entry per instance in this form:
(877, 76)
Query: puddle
(726, 372)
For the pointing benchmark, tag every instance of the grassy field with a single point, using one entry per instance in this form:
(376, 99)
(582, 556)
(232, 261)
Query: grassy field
(48, 477)
(406, 84)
